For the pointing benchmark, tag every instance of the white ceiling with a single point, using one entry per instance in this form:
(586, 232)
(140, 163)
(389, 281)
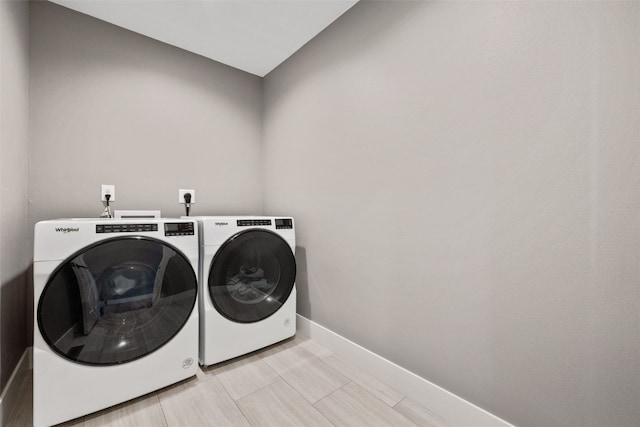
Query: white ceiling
(252, 35)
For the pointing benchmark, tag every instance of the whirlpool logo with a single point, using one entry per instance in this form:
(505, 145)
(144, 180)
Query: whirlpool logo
(66, 230)
(221, 224)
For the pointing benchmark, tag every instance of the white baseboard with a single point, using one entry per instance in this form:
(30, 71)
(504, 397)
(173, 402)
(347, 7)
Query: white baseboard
(10, 394)
(457, 411)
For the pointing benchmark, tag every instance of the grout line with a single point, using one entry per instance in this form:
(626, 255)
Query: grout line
(259, 388)
(242, 413)
(372, 396)
(256, 390)
(333, 392)
(235, 402)
(435, 421)
(353, 377)
(313, 404)
(166, 421)
(319, 360)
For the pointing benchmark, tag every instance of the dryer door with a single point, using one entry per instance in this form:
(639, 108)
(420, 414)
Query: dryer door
(251, 276)
(117, 301)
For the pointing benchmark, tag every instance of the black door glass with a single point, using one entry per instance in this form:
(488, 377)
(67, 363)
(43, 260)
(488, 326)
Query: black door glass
(251, 276)
(117, 301)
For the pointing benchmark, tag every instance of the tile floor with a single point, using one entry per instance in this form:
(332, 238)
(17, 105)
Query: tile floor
(293, 383)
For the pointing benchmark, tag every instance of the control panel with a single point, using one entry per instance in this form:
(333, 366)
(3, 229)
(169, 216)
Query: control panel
(253, 222)
(125, 228)
(282, 223)
(170, 228)
(178, 229)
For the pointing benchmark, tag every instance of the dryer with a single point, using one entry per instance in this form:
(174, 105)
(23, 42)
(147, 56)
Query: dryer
(247, 292)
(115, 313)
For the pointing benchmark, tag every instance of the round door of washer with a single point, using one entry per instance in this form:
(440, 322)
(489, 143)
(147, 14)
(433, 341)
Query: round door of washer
(251, 276)
(117, 300)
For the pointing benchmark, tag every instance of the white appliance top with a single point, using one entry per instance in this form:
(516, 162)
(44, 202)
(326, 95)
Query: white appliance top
(215, 230)
(57, 239)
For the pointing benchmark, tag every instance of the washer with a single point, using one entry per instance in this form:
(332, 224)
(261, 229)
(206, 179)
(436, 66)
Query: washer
(115, 313)
(247, 285)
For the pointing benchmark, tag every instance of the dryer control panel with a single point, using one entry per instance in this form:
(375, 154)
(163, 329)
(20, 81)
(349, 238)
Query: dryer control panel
(285, 223)
(253, 222)
(178, 229)
(280, 223)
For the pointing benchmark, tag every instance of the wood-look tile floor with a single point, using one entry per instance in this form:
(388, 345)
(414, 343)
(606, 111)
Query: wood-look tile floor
(293, 383)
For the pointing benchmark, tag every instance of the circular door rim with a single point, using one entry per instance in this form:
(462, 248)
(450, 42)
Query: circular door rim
(222, 247)
(84, 249)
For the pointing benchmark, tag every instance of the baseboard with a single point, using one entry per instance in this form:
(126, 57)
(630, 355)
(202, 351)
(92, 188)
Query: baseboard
(454, 409)
(11, 391)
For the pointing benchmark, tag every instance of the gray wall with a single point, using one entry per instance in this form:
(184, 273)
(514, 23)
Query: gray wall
(14, 124)
(466, 182)
(109, 106)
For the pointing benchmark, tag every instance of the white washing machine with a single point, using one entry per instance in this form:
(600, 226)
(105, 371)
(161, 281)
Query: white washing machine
(115, 312)
(247, 284)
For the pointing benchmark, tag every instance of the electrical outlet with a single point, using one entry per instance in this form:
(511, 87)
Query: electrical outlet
(182, 192)
(108, 189)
